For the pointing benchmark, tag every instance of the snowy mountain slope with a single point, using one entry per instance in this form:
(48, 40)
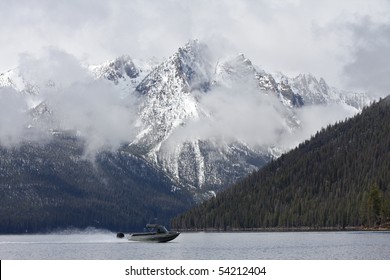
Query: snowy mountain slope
(205, 122)
(314, 92)
(173, 94)
(124, 72)
(167, 99)
(241, 69)
(15, 80)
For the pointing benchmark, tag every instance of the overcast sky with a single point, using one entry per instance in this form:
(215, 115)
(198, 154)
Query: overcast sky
(346, 42)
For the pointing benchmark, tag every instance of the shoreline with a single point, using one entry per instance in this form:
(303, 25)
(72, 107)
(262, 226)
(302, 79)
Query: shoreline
(300, 229)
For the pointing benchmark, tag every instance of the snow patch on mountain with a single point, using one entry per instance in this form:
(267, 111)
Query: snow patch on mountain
(316, 92)
(125, 72)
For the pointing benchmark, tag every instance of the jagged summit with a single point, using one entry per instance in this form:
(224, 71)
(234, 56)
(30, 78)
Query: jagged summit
(14, 79)
(314, 92)
(194, 63)
(117, 69)
(232, 70)
(187, 70)
(167, 99)
(240, 69)
(124, 71)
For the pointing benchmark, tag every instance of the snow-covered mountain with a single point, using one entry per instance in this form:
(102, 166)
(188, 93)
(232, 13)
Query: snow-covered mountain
(207, 121)
(173, 95)
(124, 72)
(240, 69)
(172, 101)
(15, 80)
(314, 92)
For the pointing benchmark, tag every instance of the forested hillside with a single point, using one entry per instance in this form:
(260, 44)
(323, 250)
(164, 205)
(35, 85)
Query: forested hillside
(50, 186)
(339, 178)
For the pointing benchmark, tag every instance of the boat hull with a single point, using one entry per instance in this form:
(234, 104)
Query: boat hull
(154, 237)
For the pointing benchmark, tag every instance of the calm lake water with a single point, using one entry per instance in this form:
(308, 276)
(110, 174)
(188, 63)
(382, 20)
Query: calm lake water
(102, 245)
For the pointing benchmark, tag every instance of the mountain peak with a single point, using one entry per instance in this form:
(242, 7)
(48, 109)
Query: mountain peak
(193, 50)
(125, 64)
(192, 62)
(233, 70)
(307, 78)
(242, 57)
(118, 69)
(193, 44)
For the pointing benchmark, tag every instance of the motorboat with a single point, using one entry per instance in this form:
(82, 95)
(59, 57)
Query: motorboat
(153, 233)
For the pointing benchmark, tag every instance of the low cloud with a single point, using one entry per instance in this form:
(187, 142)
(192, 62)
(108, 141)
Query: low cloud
(239, 112)
(13, 117)
(54, 68)
(313, 118)
(96, 113)
(257, 118)
(92, 109)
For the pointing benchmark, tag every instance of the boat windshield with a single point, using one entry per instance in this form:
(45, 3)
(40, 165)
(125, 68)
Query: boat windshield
(157, 228)
(161, 229)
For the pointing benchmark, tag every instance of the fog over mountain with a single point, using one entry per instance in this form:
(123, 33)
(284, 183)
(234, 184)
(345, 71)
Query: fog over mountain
(57, 93)
(204, 119)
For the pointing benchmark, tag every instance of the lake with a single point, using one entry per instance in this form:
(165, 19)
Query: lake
(103, 245)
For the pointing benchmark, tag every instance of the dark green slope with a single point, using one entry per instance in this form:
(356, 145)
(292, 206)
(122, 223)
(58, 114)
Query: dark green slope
(50, 186)
(339, 178)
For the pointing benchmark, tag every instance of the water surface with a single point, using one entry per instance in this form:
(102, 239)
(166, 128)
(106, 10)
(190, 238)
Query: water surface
(101, 245)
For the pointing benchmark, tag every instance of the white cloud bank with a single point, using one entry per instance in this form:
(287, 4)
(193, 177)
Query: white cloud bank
(13, 117)
(91, 108)
(241, 112)
(97, 112)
